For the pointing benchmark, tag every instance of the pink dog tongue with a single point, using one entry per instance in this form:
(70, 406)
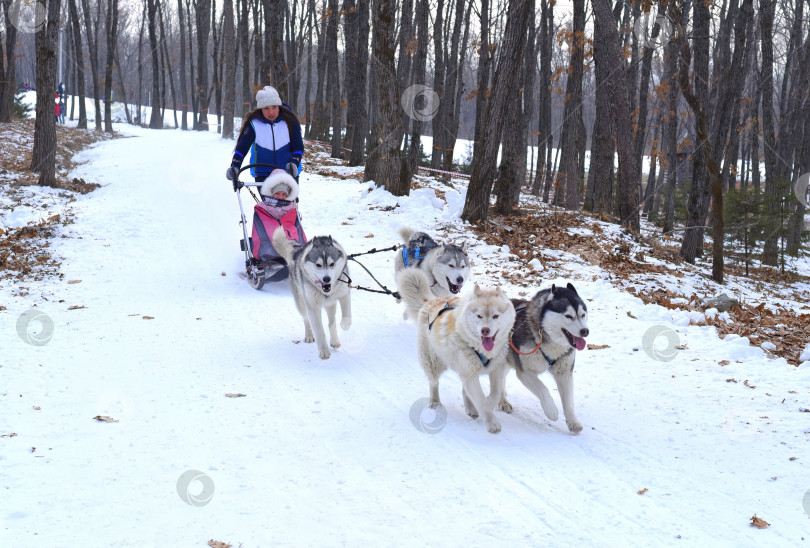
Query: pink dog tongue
(580, 342)
(488, 342)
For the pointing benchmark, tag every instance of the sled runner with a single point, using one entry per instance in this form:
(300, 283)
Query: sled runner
(262, 262)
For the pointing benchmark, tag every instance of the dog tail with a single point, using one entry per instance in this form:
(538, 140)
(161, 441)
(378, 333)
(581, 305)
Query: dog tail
(414, 287)
(406, 232)
(283, 245)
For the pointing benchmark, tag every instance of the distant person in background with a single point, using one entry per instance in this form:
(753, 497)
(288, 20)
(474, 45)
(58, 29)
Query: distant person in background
(62, 109)
(61, 89)
(272, 134)
(56, 111)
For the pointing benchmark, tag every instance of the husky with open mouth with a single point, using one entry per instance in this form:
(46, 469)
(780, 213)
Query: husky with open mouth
(467, 334)
(549, 329)
(447, 266)
(319, 278)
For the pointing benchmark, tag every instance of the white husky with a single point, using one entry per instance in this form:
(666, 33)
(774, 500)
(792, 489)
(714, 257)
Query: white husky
(319, 280)
(466, 334)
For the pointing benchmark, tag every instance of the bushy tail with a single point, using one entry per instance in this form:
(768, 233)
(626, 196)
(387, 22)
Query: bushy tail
(406, 232)
(414, 287)
(284, 246)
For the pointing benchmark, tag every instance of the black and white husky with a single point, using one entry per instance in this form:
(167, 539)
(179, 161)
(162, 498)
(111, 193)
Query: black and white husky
(447, 266)
(548, 331)
(319, 278)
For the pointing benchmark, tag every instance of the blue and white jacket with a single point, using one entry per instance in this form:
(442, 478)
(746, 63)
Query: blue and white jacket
(269, 143)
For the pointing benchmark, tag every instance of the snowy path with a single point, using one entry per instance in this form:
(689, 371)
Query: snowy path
(323, 453)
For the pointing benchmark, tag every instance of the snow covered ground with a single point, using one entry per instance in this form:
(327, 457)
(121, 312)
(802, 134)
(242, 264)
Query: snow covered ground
(152, 326)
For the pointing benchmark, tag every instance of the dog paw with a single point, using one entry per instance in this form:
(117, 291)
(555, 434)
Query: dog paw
(345, 322)
(505, 406)
(434, 404)
(309, 339)
(324, 353)
(473, 414)
(335, 344)
(574, 426)
(551, 412)
(493, 427)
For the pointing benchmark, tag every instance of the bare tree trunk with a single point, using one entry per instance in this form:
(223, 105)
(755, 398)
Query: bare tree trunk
(438, 87)
(335, 111)
(569, 177)
(7, 75)
(419, 78)
(216, 63)
(247, 89)
(156, 120)
(481, 98)
(512, 171)
(230, 72)
(606, 44)
(93, 51)
(385, 171)
(77, 44)
(356, 60)
(544, 136)
(112, 33)
(182, 68)
(169, 69)
(705, 150)
(599, 193)
(456, 79)
(43, 159)
(203, 17)
(505, 90)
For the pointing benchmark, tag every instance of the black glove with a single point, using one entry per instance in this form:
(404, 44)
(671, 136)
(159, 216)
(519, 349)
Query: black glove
(292, 169)
(232, 173)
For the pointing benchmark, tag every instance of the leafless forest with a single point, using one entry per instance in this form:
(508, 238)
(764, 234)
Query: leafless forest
(579, 97)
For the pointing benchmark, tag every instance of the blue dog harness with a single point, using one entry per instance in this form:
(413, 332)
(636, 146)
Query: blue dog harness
(414, 255)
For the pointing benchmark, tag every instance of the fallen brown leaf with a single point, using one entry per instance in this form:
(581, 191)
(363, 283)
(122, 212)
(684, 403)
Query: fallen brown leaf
(217, 544)
(732, 379)
(642, 491)
(13, 434)
(148, 317)
(369, 235)
(74, 281)
(724, 362)
(104, 418)
(598, 346)
(745, 382)
(76, 307)
(631, 315)
(238, 395)
(759, 523)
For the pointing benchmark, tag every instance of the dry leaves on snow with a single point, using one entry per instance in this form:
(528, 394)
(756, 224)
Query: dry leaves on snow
(218, 544)
(104, 418)
(759, 523)
(236, 395)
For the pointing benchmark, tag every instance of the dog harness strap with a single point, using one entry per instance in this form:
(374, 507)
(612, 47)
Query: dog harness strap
(442, 311)
(417, 258)
(484, 359)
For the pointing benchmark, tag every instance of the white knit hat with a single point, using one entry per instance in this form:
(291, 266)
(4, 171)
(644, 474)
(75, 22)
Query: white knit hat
(267, 97)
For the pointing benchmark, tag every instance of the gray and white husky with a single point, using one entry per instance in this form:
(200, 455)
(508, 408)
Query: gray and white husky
(548, 331)
(319, 278)
(447, 266)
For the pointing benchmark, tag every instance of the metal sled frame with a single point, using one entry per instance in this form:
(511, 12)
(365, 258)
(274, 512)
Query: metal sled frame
(254, 268)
